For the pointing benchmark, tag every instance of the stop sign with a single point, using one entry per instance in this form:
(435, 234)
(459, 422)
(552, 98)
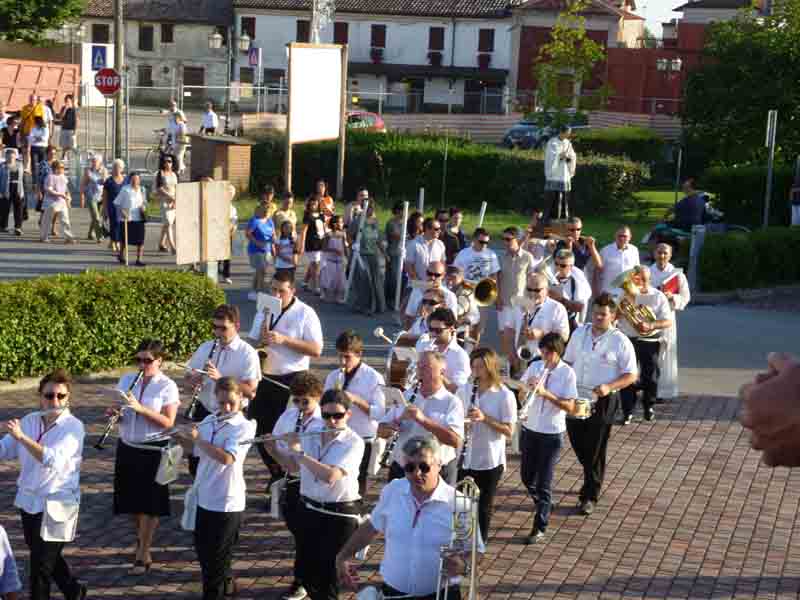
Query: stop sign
(107, 82)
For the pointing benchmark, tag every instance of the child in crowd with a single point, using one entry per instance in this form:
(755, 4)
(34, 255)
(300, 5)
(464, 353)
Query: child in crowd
(311, 243)
(260, 232)
(333, 277)
(285, 249)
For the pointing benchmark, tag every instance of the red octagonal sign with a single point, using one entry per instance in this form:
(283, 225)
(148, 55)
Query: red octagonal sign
(107, 81)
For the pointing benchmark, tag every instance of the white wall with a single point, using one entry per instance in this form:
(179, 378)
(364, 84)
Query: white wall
(702, 15)
(91, 96)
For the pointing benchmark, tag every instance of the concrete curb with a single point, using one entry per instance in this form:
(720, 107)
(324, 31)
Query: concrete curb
(740, 295)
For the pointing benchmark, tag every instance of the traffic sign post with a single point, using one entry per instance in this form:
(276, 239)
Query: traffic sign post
(107, 82)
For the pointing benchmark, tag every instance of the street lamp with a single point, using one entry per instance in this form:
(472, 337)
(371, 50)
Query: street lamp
(215, 41)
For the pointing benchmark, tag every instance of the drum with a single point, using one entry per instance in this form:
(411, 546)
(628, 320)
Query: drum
(584, 403)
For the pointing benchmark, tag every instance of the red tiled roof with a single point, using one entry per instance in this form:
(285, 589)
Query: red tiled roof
(214, 12)
(421, 8)
(715, 4)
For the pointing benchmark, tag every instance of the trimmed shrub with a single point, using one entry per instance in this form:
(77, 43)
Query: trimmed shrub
(637, 143)
(396, 165)
(741, 261)
(740, 189)
(95, 320)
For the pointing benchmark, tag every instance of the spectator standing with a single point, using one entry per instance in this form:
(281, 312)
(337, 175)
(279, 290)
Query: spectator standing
(285, 212)
(311, 243)
(394, 252)
(12, 191)
(424, 249)
(91, 190)
(10, 133)
(56, 202)
(353, 210)
(3, 115)
(27, 116)
(414, 226)
(333, 277)
(368, 285)
(111, 189)
(559, 169)
(617, 258)
(166, 187)
(225, 265)
(285, 249)
(479, 262)
(49, 119)
(326, 204)
(69, 125)
(39, 139)
(180, 141)
(453, 238)
(210, 122)
(131, 203)
(260, 231)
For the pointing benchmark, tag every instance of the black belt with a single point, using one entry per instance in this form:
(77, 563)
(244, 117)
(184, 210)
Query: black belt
(331, 506)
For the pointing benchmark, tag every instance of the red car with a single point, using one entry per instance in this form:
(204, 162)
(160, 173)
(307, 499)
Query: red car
(365, 121)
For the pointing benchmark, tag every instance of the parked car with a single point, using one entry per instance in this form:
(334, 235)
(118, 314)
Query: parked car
(525, 135)
(365, 121)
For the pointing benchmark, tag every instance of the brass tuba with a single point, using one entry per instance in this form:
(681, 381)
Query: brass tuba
(485, 291)
(464, 538)
(635, 314)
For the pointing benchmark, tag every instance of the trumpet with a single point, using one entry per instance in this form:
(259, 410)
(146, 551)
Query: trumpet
(114, 419)
(269, 437)
(464, 538)
(189, 414)
(485, 291)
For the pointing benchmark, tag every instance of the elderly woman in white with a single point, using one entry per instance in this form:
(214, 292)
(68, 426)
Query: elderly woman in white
(131, 203)
(559, 169)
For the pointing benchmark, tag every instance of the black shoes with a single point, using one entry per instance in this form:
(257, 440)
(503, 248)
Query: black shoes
(649, 415)
(535, 536)
(586, 508)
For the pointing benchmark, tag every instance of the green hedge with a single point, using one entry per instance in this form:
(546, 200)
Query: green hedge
(94, 321)
(396, 165)
(741, 261)
(636, 143)
(740, 192)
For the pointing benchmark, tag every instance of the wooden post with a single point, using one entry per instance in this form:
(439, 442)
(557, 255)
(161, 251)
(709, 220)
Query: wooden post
(482, 214)
(210, 265)
(342, 128)
(287, 170)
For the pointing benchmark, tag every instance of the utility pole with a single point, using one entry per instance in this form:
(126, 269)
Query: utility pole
(119, 66)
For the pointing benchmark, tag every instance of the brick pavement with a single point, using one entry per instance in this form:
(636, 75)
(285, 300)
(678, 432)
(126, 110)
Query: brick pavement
(688, 512)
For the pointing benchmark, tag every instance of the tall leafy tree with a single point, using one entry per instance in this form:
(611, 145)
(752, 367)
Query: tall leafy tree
(29, 20)
(751, 64)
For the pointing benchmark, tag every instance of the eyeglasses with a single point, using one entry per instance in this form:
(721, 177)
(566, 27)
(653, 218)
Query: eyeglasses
(428, 302)
(434, 274)
(145, 360)
(534, 290)
(337, 416)
(508, 239)
(436, 229)
(423, 467)
(53, 395)
(437, 330)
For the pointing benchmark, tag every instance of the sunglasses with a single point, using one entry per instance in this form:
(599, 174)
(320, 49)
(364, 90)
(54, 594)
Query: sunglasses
(574, 228)
(423, 467)
(436, 229)
(337, 416)
(563, 265)
(437, 329)
(482, 242)
(437, 275)
(145, 360)
(534, 290)
(508, 239)
(219, 327)
(53, 395)
(430, 302)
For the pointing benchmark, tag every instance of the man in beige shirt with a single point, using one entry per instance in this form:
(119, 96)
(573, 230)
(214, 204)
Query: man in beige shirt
(515, 265)
(284, 213)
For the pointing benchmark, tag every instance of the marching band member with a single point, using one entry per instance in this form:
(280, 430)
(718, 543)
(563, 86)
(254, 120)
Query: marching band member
(227, 355)
(573, 289)
(362, 386)
(646, 347)
(604, 362)
(431, 300)
(151, 404)
(584, 248)
(304, 415)
(49, 445)
(515, 266)
(291, 339)
(441, 337)
(415, 516)
(435, 277)
(220, 485)
(424, 249)
(491, 409)
(478, 262)
(546, 316)
(541, 435)
(431, 409)
(617, 258)
(330, 502)
(455, 283)
(662, 272)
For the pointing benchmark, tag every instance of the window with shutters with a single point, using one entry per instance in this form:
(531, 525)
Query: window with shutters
(145, 76)
(101, 33)
(248, 26)
(146, 38)
(303, 33)
(194, 76)
(436, 38)
(486, 40)
(340, 31)
(167, 33)
(378, 36)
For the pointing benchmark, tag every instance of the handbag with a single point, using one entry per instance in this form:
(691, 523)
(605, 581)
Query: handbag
(60, 519)
(189, 516)
(276, 505)
(169, 466)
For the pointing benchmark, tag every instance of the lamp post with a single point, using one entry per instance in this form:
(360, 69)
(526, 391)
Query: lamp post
(215, 41)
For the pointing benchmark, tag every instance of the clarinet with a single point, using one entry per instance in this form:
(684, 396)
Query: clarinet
(468, 427)
(396, 437)
(189, 414)
(114, 419)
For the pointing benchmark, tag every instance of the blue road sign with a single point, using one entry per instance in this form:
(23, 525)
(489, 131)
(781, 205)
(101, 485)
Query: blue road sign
(99, 58)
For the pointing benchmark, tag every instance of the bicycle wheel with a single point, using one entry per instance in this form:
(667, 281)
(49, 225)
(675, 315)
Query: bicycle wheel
(151, 159)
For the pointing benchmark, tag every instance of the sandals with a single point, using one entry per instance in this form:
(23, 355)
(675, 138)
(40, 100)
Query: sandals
(140, 567)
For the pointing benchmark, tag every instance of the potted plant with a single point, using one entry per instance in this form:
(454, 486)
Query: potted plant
(376, 54)
(435, 58)
(483, 60)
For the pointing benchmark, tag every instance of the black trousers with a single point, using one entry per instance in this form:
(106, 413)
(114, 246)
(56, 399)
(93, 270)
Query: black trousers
(647, 357)
(215, 536)
(559, 205)
(589, 439)
(293, 517)
(47, 565)
(487, 482)
(320, 541)
(539, 455)
(362, 468)
(200, 413)
(266, 408)
(453, 593)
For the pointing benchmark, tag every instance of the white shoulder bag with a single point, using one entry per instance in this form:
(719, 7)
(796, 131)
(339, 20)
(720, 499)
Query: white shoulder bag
(60, 519)
(169, 467)
(189, 516)
(277, 491)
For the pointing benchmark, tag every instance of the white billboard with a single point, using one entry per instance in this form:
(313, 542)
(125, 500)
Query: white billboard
(315, 92)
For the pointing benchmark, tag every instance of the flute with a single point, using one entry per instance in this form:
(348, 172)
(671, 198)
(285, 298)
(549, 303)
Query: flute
(173, 431)
(189, 414)
(269, 437)
(113, 419)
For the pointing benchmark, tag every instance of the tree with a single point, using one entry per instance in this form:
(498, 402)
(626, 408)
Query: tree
(565, 62)
(29, 20)
(750, 64)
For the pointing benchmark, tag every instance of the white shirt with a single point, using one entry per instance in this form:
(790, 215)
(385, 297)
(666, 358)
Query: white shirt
(159, 392)
(345, 451)
(40, 136)
(415, 300)
(658, 277)
(442, 407)
(414, 535)
(9, 576)
(556, 169)
(221, 488)
(657, 302)
(210, 120)
(616, 261)
(457, 368)
(418, 327)
(601, 359)
(60, 471)
(366, 383)
(287, 423)
(544, 416)
(477, 265)
(298, 321)
(238, 360)
(420, 253)
(576, 288)
(134, 202)
(487, 447)
(550, 317)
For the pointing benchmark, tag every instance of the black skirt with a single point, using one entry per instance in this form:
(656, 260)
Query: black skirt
(135, 232)
(135, 488)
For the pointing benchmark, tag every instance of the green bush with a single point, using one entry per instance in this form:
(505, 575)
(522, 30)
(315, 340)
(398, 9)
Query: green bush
(741, 261)
(740, 193)
(94, 321)
(396, 165)
(636, 143)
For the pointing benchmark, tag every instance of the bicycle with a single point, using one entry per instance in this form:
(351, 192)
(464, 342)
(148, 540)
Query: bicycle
(162, 147)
